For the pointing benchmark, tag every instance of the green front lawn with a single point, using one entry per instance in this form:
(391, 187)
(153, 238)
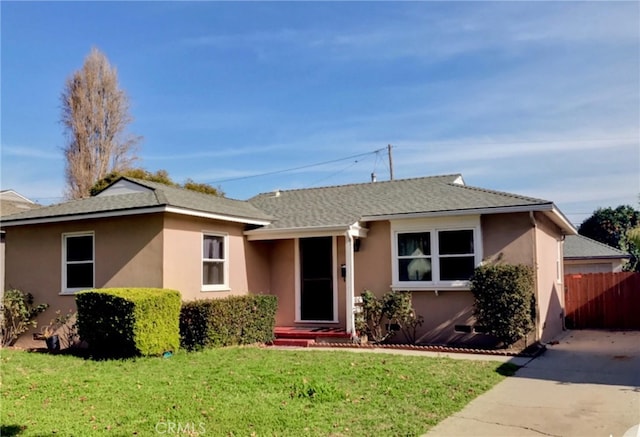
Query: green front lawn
(237, 392)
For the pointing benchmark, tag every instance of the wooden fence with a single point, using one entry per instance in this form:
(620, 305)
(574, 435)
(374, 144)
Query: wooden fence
(602, 300)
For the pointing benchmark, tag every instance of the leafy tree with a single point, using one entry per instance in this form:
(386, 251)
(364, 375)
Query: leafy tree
(189, 184)
(633, 235)
(95, 115)
(159, 176)
(612, 227)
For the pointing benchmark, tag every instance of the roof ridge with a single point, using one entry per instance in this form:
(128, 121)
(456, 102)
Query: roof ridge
(159, 186)
(355, 184)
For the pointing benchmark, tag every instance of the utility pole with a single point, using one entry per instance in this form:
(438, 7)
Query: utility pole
(390, 161)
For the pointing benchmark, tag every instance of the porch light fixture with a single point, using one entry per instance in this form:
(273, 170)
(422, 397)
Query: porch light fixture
(356, 245)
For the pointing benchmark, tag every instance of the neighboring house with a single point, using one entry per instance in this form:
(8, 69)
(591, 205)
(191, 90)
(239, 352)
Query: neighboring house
(584, 255)
(316, 249)
(11, 202)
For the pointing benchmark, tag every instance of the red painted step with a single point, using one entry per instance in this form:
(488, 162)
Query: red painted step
(310, 333)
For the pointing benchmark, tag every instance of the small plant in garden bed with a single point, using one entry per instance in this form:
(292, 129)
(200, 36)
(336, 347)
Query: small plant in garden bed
(61, 332)
(18, 315)
(380, 319)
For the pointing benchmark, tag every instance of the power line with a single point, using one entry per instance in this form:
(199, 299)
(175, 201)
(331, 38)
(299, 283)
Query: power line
(295, 168)
(342, 170)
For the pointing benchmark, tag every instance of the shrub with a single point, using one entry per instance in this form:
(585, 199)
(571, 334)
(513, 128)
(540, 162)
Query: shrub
(230, 321)
(129, 321)
(18, 315)
(504, 300)
(401, 313)
(379, 319)
(370, 320)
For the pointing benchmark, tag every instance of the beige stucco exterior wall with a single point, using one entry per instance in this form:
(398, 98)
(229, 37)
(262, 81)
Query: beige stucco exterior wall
(34, 258)
(257, 266)
(442, 312)
(505, 238)
(182, 255)
(282, 266)
(549, 280)
(129, 259)
(514, 239)
(508, 238)
(373, 260)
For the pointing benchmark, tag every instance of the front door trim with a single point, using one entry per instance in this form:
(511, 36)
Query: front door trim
(298, 277)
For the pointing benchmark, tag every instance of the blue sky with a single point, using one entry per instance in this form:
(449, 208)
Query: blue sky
(535, 98)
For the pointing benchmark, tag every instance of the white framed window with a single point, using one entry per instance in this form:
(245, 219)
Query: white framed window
(215, 261)
(78, 261)
(435, 253)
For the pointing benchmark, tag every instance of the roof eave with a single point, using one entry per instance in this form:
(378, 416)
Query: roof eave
(562, 221)
(133, 211)
(549, 208)
(24, 199)
(355, 230)
(81, 216)
(222, 217)
(595, 257)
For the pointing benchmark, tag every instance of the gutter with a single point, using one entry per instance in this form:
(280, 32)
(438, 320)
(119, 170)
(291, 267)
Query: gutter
(127, 212)
(554, 214)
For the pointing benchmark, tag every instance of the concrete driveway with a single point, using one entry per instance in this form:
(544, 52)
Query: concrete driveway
(586, 385)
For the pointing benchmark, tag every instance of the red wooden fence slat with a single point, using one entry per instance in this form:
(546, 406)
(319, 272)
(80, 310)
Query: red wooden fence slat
(603, 300)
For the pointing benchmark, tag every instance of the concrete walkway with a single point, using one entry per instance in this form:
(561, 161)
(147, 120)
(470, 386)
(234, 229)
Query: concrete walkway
(586, 385)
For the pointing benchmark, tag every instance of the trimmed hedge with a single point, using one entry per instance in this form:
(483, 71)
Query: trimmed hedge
(505, 300)
(129, 321)
(230, 321)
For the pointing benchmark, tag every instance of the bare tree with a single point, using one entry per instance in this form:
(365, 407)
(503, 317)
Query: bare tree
(95, 114)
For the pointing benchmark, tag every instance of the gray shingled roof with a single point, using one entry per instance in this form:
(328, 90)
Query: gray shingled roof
(161, 195)
(12, 202)
(344, 205)
(9, 207)
(579, 246)
(189, 199)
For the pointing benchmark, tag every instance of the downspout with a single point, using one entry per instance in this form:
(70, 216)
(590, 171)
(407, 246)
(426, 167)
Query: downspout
(532, 218)
(562, 290)
(350, 285)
